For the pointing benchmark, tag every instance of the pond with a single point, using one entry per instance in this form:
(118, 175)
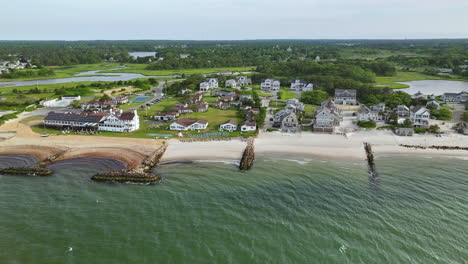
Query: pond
(84, 77)
(436, 87)
(140, 54)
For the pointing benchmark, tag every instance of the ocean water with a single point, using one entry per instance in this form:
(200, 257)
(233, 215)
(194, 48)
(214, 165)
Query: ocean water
(292, 210)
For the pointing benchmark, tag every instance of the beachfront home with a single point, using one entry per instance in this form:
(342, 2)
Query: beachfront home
(118, 121)
(433, 104)
(402, 111)
(290, 123)
(301, 85)
(244, 80)
(114, 121)
(420, 116)
(345, 97)
(166, 116)
(208, 84)
(230, 126)
(404, 131)
(249, 126)
(366, 114)
(279, 116)
(231, 83)
(185, 124)
(455, 97)
(327, 117)
(270, 85)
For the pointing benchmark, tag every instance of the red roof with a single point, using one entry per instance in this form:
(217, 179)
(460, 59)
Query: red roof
(187, 122)
(127, 116)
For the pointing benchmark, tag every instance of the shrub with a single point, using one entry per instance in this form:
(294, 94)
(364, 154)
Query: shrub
(367, 124)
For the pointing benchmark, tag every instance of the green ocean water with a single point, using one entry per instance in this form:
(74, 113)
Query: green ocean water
(283, 211)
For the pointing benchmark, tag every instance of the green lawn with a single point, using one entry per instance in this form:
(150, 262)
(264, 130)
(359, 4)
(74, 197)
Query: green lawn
(215, 117)
(309, 110)
(286, 94)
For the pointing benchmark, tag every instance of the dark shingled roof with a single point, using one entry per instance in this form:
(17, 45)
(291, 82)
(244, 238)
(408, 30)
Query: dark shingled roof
(72, 117)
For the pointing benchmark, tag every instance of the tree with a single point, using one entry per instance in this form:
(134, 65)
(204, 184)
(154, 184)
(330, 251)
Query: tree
(315, 97)
(407, 123)
(434, 129)
(105, 97)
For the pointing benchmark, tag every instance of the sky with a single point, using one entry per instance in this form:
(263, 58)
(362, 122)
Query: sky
(232, 19)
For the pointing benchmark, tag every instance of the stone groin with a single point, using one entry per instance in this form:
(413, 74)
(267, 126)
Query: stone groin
(248, 156)
(141, 175)
(434, 147)
(126, 177)
(39, 169)
(152, 160)
(30, 171)
(370, 159)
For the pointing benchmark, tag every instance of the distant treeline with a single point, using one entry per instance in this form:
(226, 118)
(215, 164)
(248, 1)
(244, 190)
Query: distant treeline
(437, 53)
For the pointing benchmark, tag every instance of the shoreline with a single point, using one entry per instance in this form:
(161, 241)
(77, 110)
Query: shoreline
(133, 151)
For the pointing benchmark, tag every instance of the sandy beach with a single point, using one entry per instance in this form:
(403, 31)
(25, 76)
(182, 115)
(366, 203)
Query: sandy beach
(325, 146)
(133, 150)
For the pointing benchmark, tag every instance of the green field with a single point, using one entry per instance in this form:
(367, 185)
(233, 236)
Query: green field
(286, 94)
(70, 71)
(67, 71)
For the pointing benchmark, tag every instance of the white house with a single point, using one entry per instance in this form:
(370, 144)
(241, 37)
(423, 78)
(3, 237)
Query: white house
(185, 124)
(121, 122)
(230, 126)
(301, 85)
(249, 126)
(327, 117)
(346, 97)
(166, 116)
(366, 114)
(244, 80)
(208, 84)
(231, 83)
(270, 85)
(420, 116)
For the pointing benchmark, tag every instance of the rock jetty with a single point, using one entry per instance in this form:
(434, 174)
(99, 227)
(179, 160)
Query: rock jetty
(141, 175)
(248, 156)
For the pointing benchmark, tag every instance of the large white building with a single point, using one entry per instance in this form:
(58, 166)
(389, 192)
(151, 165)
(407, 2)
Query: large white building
(345, 97)
(113, 121)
